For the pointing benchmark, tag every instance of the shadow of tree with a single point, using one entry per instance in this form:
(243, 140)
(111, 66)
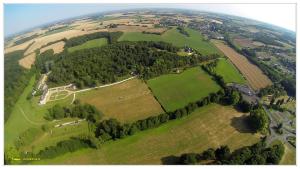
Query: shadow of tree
(170, 160)
(242, 124)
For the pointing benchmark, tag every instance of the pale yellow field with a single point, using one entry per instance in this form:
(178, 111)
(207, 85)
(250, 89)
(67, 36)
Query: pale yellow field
(57, 47)
(28, 60)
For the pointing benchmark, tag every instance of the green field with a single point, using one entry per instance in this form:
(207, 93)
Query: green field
(175, 91)
(230, 74)
(208, 127)
(195, 40)
(27, 114)
(89, 44)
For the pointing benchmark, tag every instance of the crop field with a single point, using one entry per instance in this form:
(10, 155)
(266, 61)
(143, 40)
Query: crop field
(175, 91)
(27, 114)
(56, 47)
(28, 60)
(89, 44)
(195, 40)
(128, 101)
(208, 127)
(255, 77)
(229, 72)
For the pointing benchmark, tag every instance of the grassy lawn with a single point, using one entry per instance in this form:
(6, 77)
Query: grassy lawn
(128, 101)
(27, 114)
(195, 40)
(210, 126)
(289, 157)
(89, 44)
(230, 74)
(175, 91)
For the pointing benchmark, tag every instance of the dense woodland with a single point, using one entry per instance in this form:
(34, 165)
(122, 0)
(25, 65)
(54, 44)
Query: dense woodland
(16, 78)
(257, 154)
(107, 64)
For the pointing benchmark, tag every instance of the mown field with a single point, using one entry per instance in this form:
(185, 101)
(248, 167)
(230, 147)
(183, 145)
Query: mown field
(210, 126)
(175, 91)
(89, 44)
(255, 77)
(229, 72)
(27, 114)
(128, 101)
(195, 40)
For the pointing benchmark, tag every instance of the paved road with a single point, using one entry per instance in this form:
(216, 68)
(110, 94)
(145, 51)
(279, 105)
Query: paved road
(274, 135)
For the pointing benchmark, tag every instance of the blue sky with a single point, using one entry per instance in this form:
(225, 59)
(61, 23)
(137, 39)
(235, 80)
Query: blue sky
(18, 17)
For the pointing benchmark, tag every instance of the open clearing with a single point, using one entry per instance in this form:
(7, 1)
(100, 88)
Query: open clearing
(175, 91)
(229, 72)
(255, 77)
(57, 47)
(28, 60)
(128, 101)
(27, 114)
(210, 126)
(195, 40)
(89, 44)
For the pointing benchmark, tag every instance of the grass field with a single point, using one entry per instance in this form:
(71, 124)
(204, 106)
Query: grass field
(128, 101)
(210, 126)
(229, 72)
(89, 44)
(175, 91)
(195, 40)
(27, 114)
(54, 135)
(255, 77)
(289, 157)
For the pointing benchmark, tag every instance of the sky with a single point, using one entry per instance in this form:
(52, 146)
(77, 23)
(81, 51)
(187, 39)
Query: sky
(19, 17)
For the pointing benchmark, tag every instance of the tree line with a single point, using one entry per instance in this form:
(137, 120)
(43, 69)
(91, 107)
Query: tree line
(83, 111)
(183, 31)
(111, 129)
(110, 36)
(256, 154)
(87, 68)
(15, 80)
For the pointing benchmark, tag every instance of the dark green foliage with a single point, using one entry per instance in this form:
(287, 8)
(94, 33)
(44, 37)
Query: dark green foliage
(182, 31)
(245, 106)
(15, 80)
(276, 90)
(222, 153)
(209, 154)
(20, 41)
(259, 120)
(27, 137)
(257, 154)
(45, 61)
(83, 111)
(108, 63)
(63, 147)
(210, 69)
(111, 37)
(290, 86)
(190, 158)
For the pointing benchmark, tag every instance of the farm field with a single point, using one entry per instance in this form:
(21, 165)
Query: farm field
(28, 60)
(195, 40)
(89, 44)
(128, 101)
(56, 47)
(175, 91)
(27, 114)
(255, 77)
(229, 72)
(210, 126)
